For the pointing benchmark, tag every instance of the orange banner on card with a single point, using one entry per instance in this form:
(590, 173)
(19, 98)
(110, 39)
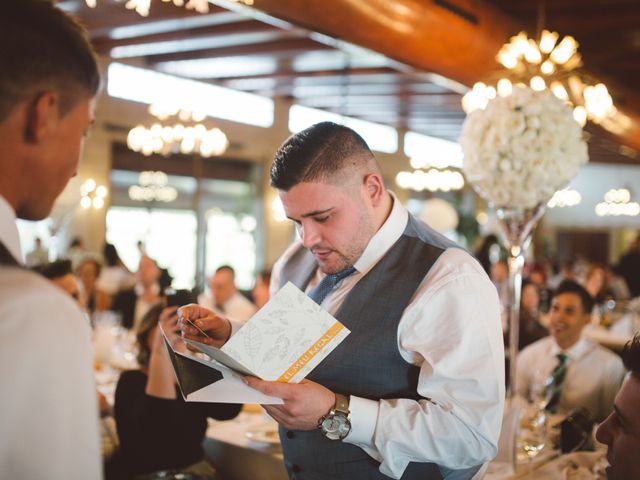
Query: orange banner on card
(309, 354)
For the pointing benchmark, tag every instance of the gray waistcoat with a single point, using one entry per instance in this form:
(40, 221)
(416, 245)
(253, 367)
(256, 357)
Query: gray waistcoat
(367, 363)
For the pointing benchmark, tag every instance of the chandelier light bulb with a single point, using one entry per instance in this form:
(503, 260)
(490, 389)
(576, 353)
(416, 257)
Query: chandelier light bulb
(565, 49)
(537, 83)
(548, 41)
(532, 54)
(580, 115)
(559, 91)
(504, 87)
(547, 67)
(507, 60)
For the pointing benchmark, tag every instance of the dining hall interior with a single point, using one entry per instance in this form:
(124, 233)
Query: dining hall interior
(173, 204)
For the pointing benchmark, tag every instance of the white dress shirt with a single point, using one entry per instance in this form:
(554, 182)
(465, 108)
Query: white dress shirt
(48, 406)
(593, 378)
(451, 330)
(238, 308)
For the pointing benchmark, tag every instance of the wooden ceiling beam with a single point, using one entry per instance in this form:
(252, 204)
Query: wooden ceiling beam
(457, 39)
(105, 44)
(279, 48)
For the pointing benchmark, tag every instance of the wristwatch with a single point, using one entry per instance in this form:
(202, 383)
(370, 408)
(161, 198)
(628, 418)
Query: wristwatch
(335, 425)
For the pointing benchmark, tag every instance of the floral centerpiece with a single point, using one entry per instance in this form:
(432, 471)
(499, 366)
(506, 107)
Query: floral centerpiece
(517, 153)
(522, 148)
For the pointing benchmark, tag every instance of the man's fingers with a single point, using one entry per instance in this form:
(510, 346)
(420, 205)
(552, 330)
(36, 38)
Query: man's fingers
(274, 389)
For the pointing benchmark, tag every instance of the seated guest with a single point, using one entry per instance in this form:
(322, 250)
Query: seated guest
(157, 429)
(531, 329)
(575, 372)
(135, 302)
(114, 276)
(597, 285)
(88, 271)
(621, 430)
(59, 272)
(226, 299)
(260, 292)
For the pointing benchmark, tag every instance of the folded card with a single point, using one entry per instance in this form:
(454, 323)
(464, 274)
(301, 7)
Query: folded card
(283, 341)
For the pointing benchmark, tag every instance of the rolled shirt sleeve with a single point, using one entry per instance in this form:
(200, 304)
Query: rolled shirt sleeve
(452, 331)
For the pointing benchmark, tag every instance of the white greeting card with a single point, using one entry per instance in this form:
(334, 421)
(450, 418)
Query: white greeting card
(283, 341)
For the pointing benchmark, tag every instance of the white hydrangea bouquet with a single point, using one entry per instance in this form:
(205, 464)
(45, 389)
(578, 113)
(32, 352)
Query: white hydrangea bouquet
(522, 148)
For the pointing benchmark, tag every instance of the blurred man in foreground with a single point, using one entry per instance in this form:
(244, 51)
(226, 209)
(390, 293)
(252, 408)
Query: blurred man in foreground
(621, 430)
(48, 409)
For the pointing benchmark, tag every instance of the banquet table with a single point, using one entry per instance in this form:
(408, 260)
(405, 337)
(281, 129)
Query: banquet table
(246, 447)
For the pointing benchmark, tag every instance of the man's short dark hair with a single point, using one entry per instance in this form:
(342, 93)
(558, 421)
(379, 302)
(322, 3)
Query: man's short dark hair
(227, 268)
(631, 356)
(53, 270)
(43, 48)
(569, 286)
(317, 153)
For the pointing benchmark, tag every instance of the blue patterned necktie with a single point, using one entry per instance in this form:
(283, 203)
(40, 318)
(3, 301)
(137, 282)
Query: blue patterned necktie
(327, 284)
(553, 384)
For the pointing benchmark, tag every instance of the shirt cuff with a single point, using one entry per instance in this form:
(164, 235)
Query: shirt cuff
(235, 326)
(363, 414)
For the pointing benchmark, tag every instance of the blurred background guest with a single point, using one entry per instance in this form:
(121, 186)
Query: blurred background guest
(489, 252)
(629, 267)
(531, 329)
(60, 273)
(565, 272)
(225, 297)
(114, 276)
(597, 285)
(38, 255)
(260, 292)
(158, 430)
(88, 271)
(621, 430)
(133, 304)
(76, 252)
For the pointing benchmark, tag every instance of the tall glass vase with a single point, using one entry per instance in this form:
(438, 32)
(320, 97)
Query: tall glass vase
(517, 225)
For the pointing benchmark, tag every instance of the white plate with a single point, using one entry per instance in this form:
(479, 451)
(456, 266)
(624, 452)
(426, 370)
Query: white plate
(267, 435)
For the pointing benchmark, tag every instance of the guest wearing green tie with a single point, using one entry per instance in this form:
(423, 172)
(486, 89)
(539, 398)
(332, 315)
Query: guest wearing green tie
(566, 368)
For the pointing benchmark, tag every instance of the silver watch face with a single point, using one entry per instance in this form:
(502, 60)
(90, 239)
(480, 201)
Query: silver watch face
(335, 427)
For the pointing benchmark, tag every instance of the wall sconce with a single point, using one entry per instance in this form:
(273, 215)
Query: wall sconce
(93, 195)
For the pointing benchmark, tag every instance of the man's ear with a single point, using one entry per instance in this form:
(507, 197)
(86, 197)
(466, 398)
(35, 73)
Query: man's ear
(374, 187)
(41, 115)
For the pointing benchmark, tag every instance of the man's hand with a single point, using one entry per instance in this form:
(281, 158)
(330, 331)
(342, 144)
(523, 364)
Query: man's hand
(202, 325)
(304, 403)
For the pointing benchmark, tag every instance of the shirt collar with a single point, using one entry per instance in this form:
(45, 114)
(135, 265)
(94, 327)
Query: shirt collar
(575, 351)
(9, 235)
(385, 237)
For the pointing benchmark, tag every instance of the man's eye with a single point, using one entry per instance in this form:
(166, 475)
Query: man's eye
(321, 219)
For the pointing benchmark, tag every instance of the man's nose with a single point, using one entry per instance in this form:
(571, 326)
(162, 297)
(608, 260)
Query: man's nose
(309, 235)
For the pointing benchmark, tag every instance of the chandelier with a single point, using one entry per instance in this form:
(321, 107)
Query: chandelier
(541, 64)
(617, 202)
(153, 187)
(427, 175)
(567, 197)
(186, 135)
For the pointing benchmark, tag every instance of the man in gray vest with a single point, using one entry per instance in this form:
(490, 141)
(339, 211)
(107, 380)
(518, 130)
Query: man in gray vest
(416, 390)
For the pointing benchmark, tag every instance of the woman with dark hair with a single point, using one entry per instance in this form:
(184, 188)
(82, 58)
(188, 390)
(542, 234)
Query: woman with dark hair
(158, 430)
